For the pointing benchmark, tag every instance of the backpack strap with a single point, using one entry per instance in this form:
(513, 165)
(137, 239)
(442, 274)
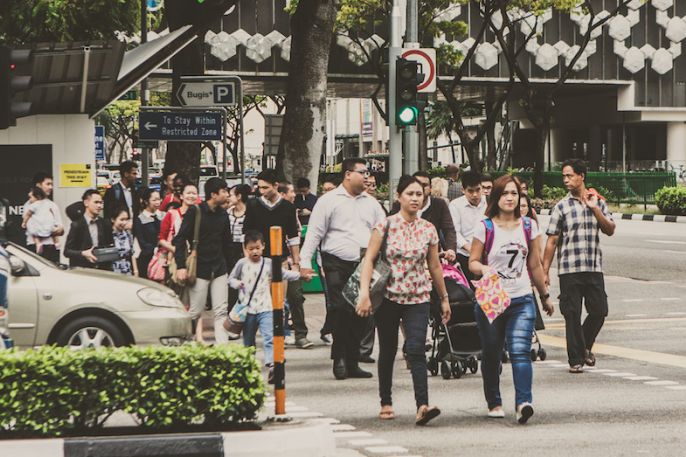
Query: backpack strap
(488, 244)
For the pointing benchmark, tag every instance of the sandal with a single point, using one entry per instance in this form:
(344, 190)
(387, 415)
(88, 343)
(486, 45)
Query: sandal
(425, 414)
(576, 369)
(589, 359)
(386, 414)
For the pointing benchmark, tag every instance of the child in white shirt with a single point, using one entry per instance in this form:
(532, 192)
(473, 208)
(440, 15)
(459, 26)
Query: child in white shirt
(252, 277)
(39, 219)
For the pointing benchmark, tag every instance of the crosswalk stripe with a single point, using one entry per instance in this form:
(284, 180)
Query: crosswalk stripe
(627, 353)
(661, 383)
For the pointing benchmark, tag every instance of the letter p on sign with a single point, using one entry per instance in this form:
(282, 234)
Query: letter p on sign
(223, 94)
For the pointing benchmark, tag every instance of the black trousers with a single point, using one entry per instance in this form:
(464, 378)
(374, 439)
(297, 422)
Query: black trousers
(50, 252)
(143, 261)
(347, 327)
(296, 299)
(464, 265)
(587, 288)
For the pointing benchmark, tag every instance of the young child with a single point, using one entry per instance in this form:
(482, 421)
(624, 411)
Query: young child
(252, 277)
(123, 240)
(38, 219)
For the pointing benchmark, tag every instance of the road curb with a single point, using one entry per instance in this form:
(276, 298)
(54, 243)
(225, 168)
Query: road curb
(637, 217)
(308, 440)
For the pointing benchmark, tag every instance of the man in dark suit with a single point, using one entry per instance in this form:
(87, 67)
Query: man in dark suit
(88, 232)
(124, 193)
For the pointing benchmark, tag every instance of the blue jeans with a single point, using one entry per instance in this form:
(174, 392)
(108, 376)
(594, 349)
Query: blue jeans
(516, 325)
(265, 322)
(415, 320)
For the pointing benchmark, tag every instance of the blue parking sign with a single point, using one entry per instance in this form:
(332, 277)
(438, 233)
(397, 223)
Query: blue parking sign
(99, 142)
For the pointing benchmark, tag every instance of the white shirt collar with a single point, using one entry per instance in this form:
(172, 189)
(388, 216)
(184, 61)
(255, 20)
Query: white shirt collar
(341, 190)
(467, 204)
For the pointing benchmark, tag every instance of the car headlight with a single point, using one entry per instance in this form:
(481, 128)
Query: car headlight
(155, 297)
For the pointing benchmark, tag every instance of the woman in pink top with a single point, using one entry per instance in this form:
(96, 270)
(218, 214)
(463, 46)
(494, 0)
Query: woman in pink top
(411, 242)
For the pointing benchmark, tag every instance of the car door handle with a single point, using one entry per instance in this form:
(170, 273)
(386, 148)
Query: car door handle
(47, 296)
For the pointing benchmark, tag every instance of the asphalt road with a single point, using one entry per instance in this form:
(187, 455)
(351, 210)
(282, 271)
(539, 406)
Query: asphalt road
(633, 403)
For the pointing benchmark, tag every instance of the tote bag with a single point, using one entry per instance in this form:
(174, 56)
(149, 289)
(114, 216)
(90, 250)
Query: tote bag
(492, 298)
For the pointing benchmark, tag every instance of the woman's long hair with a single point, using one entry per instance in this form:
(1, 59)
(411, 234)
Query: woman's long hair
(499, 184)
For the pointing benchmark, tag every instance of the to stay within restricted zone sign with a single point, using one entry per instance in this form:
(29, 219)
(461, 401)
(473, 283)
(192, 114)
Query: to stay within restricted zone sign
(426, 57)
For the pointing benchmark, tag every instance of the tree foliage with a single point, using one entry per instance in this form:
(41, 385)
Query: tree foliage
(33, 21)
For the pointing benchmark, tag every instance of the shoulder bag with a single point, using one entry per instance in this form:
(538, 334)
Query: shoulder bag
(192, 259)
(379, 281)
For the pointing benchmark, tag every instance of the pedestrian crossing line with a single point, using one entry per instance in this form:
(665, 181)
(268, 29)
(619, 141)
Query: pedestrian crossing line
(386, 449)
(325, 420)
(661, 383)
(670, 298)
(342, 427)
(304, 414)
(642, 378)
(619, 375)
(602, 370)
(677, 313)
(675, 387)
(346, 435)
(632, 300)
(367, 442)
(636, 315)
(623, 352)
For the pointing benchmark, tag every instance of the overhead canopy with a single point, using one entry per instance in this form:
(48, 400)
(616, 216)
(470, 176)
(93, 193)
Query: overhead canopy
(84, 77)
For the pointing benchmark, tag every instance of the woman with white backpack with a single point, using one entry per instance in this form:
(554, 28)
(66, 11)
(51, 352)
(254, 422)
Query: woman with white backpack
(508, 244)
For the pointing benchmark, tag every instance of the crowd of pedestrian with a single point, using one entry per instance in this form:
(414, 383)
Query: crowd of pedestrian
(218, 253)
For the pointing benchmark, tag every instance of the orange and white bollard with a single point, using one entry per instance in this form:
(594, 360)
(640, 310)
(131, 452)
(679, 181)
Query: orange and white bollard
(277, 289)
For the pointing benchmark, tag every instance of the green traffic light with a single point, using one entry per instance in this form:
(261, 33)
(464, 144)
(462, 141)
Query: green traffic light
(407, 115)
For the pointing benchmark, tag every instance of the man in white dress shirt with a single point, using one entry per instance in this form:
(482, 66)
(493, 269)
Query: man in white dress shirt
(341, 225)
(467, 211)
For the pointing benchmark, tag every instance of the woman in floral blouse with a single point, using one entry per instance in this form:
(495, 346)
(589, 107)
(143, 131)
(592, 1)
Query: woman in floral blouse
(411, 242)
(123, 240)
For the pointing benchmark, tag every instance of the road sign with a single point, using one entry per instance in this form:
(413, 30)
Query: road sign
(180, 125)
(207, 93)
(426, 57)
(99, 142)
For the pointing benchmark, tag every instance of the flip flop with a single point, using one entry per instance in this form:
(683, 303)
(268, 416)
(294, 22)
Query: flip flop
(387, 415)
(427, 415)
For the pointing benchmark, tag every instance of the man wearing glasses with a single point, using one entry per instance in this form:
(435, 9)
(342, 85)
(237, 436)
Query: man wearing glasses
(341, 224)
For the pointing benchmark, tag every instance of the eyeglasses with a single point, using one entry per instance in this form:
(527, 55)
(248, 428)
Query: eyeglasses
(364, 172)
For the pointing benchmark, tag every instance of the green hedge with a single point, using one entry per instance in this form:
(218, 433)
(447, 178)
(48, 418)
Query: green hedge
(671, 200)
(51, 390)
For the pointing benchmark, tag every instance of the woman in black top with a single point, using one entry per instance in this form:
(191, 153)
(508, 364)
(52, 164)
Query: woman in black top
(146, 229)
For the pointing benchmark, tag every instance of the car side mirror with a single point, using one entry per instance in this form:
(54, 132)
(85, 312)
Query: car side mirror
(17, 265)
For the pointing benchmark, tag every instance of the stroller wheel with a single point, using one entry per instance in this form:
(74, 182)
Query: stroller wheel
(473, 365)
(534, 356)
(432, 364)
(445, 370)
(542, 355)
(457, 369)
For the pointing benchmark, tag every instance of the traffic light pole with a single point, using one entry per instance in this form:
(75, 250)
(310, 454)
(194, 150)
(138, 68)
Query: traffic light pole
(145, 151)
(410, 133)
(395, 139)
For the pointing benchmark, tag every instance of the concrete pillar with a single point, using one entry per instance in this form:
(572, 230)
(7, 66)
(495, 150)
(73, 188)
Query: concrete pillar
(676, 143)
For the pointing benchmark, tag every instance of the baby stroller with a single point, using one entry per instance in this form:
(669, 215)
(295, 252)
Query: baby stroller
(456, 346)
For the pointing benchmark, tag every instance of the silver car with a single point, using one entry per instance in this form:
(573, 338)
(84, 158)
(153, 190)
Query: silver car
(88, 308)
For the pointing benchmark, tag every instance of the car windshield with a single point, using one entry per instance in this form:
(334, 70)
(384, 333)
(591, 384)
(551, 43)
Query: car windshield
(15, 247)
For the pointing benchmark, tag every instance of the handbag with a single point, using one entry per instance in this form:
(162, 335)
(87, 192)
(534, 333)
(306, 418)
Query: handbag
(157, 268)
(236, 320)
(492, 298)
(192, 258)
(380, 276)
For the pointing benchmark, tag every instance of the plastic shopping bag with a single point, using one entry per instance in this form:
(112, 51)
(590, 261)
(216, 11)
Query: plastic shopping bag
(491, 296)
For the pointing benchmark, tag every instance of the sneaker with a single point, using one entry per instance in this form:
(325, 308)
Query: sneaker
(303, 343)
(270, 376)
(524, 412)
(326, 339)
(290, 340)
(496, 413)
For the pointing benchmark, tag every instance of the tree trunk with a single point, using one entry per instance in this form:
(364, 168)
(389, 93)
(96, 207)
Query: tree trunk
(539, 157)
(304, 123)
(472, 150)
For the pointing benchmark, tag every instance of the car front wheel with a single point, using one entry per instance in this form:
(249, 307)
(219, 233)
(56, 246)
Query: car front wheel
(91, 332)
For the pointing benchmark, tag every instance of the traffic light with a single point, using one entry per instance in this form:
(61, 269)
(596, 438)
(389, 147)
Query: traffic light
(15, 77)
(407, 77)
